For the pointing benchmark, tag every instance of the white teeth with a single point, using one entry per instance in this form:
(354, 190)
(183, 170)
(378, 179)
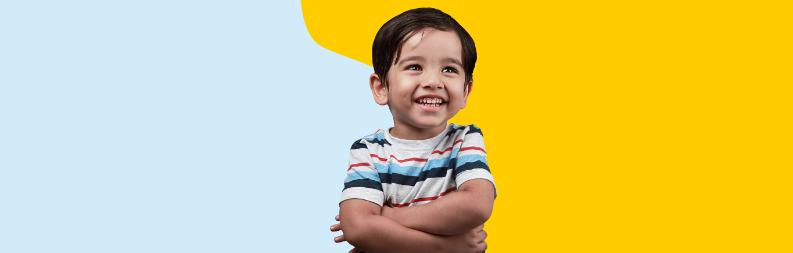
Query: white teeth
(434, 101)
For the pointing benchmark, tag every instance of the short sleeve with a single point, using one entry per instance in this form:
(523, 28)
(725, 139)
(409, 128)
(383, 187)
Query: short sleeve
(471, 160)
(363, 180)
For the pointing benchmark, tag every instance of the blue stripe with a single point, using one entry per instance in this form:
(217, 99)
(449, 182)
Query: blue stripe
(455, 151)
(414, 171)
(471, 158)
(356, 175)
(394, 168)
(377, 138)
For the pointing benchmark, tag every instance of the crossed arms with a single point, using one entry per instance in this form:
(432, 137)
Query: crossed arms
(452, 223)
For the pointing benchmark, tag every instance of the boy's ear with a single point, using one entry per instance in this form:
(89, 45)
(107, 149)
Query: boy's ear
(467, 92)
(379, 90)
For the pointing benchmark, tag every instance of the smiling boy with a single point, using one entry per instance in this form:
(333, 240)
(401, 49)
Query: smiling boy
(423, 185)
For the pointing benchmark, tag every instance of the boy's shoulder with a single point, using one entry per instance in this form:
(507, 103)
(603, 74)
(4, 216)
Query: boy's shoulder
(377, 138)
(469, 129)
(459, 133)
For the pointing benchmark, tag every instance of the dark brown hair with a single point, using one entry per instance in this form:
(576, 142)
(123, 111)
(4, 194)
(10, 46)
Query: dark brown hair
(392, 35)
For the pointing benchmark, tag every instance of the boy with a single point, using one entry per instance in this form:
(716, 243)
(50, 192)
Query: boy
(422, 185)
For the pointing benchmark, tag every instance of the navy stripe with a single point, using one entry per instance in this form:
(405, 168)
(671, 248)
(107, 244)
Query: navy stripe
(381, 142)
(394, 178)
(367, 183)
(470, 166)
(475, 129)
(454, 130)
(358, 144)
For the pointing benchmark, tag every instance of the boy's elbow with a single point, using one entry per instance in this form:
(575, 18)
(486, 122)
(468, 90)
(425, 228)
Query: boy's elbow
(485, 214)
(356, 230)
(482, 213)
(483, 193)
(354, 236)
(477, 215)
(357, 222)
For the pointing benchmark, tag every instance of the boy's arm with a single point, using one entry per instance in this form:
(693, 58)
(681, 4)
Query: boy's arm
(454, 213)
(364, 228)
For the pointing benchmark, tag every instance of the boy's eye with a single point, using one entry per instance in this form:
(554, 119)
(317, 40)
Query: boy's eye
(449, 70)
(414, 67)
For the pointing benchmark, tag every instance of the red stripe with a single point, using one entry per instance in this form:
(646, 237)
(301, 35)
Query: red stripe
(472, 148)
(441, 152)
(425, 199)
(448, 149)
(416, 159)
(358, 165)
(461, 149)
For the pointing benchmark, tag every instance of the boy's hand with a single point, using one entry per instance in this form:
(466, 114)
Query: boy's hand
(339, 239)
(472, 241)
(335, 228)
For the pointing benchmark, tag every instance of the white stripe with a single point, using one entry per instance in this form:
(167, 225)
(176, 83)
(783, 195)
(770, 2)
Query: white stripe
(368, 194)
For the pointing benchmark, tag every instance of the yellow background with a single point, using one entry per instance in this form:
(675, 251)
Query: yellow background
(636, 126)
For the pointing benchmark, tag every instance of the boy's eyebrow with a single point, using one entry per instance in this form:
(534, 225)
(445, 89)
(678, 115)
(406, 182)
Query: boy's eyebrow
(420, 58)
(452, 60)
(411, 58)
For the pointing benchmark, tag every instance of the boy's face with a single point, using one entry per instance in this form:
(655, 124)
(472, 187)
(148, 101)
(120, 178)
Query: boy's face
(426, 86)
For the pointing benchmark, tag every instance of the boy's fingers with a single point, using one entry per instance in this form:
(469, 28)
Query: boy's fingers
(482, 247)
(335, 227)
(482, 236)
(339, 239)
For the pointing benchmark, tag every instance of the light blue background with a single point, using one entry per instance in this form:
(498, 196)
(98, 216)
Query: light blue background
(173, 126)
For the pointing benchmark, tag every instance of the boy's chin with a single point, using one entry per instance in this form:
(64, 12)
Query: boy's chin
(429, 123)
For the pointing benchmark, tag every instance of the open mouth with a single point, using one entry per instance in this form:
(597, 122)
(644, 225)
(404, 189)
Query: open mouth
(430, 101)
(430, 104)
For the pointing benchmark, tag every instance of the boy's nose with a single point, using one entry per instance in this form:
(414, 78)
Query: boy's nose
(432, 83)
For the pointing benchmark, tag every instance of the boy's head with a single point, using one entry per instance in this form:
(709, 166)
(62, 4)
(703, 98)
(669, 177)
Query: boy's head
(423, 63)
(392, 35)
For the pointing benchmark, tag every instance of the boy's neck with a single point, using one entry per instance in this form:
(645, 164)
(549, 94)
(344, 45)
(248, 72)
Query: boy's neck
(406, 132)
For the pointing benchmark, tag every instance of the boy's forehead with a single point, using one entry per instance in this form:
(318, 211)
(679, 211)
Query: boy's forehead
(429, 42)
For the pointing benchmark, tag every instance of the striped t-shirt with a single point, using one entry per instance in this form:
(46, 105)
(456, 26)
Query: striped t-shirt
(396, 172)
